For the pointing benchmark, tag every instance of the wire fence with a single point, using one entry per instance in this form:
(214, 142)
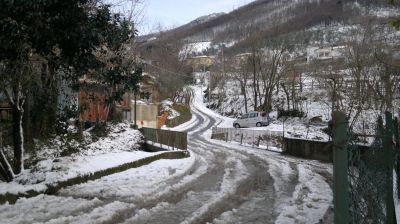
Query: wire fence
(363, 175)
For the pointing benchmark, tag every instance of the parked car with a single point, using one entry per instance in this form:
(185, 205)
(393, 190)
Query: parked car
(252, 119)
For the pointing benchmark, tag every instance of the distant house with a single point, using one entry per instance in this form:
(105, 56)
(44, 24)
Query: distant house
(148, 104)
(201, 63)
(325, 53)
(240, 58)
(146, 114)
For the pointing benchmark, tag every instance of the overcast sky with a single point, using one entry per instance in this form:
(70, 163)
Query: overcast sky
(172, 13)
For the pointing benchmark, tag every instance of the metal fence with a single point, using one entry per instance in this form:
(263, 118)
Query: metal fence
(363, 176)
(165, 138)
(258, 138)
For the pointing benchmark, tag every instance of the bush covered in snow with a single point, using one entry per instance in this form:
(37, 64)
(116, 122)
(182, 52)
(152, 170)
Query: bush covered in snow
(98, 140)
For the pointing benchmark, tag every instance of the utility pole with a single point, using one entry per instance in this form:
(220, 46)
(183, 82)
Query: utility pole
(134, 111)
(223, 60)
(209, 86)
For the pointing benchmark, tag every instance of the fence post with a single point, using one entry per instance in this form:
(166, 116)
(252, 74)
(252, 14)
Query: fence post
(340, 167)
(252, 140)
(388, 152)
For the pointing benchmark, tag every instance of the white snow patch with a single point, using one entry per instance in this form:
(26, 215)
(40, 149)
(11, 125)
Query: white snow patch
(49, 172)
(134, 183)
(311, 199)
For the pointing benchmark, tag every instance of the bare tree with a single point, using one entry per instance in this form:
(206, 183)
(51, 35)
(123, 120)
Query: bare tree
(274, 65)
(167, 61)
(241, 74)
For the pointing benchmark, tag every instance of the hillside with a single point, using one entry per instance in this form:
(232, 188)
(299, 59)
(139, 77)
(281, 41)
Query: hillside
(263, 19)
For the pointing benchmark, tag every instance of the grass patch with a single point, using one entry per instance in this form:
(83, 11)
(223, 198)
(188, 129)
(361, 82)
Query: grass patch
(185, 115)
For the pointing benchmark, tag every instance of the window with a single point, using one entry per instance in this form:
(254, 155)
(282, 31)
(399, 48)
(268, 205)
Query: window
(245, 116)
(253, 115)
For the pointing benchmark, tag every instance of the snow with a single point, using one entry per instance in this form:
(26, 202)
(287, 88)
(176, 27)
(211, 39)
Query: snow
(166, 106)
(198, 103)
(395, 196)
(312, 197)
(121, 138)
(142, 182)
(118, 148)
(49, 172)
(228, 187)
(117, 198)
(185, 126)
(198, 47)
(53, 209)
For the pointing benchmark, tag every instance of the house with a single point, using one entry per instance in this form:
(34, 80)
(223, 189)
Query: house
(92, 101)
(240, 58)
(201, 63)
(325, 53)
(146, 114)
(147, 104)
(148, 93)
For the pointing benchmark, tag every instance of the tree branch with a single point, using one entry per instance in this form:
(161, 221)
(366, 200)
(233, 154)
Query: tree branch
(6, 167)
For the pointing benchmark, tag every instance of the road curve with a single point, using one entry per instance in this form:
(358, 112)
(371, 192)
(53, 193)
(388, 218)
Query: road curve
(220, 183)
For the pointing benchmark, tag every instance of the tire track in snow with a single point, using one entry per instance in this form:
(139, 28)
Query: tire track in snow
(202, 194)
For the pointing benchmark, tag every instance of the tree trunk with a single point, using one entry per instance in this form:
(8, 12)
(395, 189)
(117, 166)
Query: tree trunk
(245, 98)
(254, 65)
(287, 96)
(255, 90)
(18, 137)
(294, 106)
(259, 93)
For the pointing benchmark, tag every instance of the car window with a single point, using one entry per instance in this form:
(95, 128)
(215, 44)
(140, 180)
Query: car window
(253, 115)
(245, 116)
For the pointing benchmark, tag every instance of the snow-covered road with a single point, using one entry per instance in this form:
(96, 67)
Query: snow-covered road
(219, 183)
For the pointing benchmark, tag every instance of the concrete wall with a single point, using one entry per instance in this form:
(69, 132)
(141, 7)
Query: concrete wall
(146, 115)
(308, 149)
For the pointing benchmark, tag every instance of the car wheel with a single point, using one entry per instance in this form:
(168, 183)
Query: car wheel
(258, 124)
(237, 126)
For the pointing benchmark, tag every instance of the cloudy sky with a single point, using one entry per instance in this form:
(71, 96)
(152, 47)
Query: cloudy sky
(171, 13)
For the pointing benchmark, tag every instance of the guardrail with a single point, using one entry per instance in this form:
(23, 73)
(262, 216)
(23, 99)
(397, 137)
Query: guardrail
(258, 138)
(165, 138)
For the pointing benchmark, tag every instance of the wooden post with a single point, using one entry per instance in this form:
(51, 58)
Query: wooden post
(340, 167)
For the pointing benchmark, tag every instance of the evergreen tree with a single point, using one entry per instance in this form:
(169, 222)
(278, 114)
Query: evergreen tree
(38, 39)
